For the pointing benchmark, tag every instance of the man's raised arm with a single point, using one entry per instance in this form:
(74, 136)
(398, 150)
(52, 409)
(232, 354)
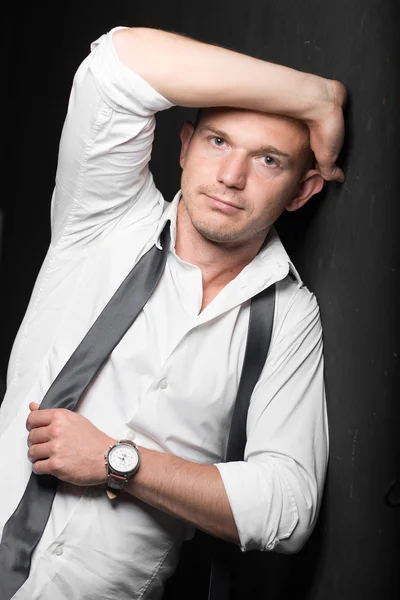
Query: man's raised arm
(194, 74)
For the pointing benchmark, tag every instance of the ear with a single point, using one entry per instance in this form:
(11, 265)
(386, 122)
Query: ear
(186, 136)
(310, 184)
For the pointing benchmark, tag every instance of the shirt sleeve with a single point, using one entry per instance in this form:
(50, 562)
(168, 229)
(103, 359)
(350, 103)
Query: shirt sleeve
(275, 492)
(103, 179)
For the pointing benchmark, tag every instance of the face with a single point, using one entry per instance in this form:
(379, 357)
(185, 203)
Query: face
(241, 169)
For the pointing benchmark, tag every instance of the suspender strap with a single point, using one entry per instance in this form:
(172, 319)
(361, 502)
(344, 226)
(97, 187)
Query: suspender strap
(24, 528)
(258, 340)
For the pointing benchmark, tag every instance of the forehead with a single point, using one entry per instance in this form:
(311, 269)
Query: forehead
(254, 129)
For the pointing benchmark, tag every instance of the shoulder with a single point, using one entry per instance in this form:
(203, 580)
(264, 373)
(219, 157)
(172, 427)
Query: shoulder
(296, 309)
(295, 304)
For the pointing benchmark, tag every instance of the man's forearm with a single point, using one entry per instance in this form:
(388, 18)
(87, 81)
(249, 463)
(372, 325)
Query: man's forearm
(191, 73)
(59, 438)
(190, 491)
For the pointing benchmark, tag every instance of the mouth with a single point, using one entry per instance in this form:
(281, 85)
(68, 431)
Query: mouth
(223, 205)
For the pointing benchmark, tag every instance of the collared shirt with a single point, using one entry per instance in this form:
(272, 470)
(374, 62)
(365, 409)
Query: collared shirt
(171, 382)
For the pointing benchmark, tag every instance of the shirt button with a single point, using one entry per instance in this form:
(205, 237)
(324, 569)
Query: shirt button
(58, 551)
(163, 384)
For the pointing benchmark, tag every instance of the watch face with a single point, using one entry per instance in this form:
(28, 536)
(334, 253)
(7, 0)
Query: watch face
(123, 458)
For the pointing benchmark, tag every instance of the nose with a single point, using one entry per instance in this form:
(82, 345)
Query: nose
(233, 171)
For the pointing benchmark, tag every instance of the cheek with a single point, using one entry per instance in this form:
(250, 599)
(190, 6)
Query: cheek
(277, 185)
(268, 199)
(212, 153)
(198, 170)
(266, 174)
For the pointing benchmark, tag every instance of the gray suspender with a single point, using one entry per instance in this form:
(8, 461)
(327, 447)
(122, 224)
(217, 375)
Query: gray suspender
(258, 341)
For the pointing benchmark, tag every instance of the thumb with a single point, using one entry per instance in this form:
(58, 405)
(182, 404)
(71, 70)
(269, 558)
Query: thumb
(33, 406)
(331, 173)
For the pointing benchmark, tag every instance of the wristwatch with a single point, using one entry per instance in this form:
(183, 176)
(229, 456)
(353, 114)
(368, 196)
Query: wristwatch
(122, 462)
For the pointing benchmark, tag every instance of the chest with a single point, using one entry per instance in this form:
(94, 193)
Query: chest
(173, 378)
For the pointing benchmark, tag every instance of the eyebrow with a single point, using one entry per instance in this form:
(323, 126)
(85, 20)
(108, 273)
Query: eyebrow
(263, 150)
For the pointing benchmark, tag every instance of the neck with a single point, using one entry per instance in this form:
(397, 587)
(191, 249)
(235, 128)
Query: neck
(220, 263)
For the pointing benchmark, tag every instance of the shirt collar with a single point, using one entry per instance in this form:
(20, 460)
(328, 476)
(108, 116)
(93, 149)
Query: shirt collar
(272, 252)
(169, 214)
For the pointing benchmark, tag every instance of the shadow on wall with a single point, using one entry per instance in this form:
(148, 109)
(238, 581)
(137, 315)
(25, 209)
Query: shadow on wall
(2, 383)
(1, 232)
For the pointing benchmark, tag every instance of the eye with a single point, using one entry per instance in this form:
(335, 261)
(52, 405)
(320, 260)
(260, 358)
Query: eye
(218, 141)
(269, 161)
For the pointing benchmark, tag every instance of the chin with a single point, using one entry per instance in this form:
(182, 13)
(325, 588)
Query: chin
(218, 235)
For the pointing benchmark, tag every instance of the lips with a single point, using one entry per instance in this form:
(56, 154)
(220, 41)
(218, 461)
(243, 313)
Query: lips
(224, 203)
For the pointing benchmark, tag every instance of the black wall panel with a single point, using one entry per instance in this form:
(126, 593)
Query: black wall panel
(345, 242)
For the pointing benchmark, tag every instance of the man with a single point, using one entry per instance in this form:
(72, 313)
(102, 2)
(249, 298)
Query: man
(170, 384)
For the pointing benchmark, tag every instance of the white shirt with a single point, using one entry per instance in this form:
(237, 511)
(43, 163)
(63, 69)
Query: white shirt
(172, 381)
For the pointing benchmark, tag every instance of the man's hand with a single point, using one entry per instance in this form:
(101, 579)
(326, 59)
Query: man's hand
(67, 445)
(327, 132)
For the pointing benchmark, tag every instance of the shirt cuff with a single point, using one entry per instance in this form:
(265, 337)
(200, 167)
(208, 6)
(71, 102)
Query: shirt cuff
(262, 503)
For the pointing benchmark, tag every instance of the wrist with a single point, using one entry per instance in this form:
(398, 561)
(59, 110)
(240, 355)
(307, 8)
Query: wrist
(323, 98)
(104, 463)
(317, 100)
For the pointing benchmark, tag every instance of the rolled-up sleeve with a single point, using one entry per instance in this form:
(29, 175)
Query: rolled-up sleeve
(105, 148)
(276, 491)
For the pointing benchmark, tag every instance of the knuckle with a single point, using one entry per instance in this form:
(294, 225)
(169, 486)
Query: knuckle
(54, 465)
(54, 447)
(55, 430)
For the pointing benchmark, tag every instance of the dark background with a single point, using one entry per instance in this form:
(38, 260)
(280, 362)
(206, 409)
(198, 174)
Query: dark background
(344, 243)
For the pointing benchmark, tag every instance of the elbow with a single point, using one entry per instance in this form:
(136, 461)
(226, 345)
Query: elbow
(297, 539)
(290, 538)
(274, 540)
(291, 545)
(278, 511)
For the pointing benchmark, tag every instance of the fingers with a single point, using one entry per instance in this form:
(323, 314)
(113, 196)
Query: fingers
(40, 418)
(39, 435)
(42, 467)
(326, 162)
(326, 165)
(326, 141)
(39, 452)
(338, 175)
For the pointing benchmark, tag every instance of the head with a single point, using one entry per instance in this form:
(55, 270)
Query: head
(241, 169)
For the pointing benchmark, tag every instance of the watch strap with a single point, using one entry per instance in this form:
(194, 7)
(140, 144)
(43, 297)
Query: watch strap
(129, 442)
(115, 485)
(115, 482)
